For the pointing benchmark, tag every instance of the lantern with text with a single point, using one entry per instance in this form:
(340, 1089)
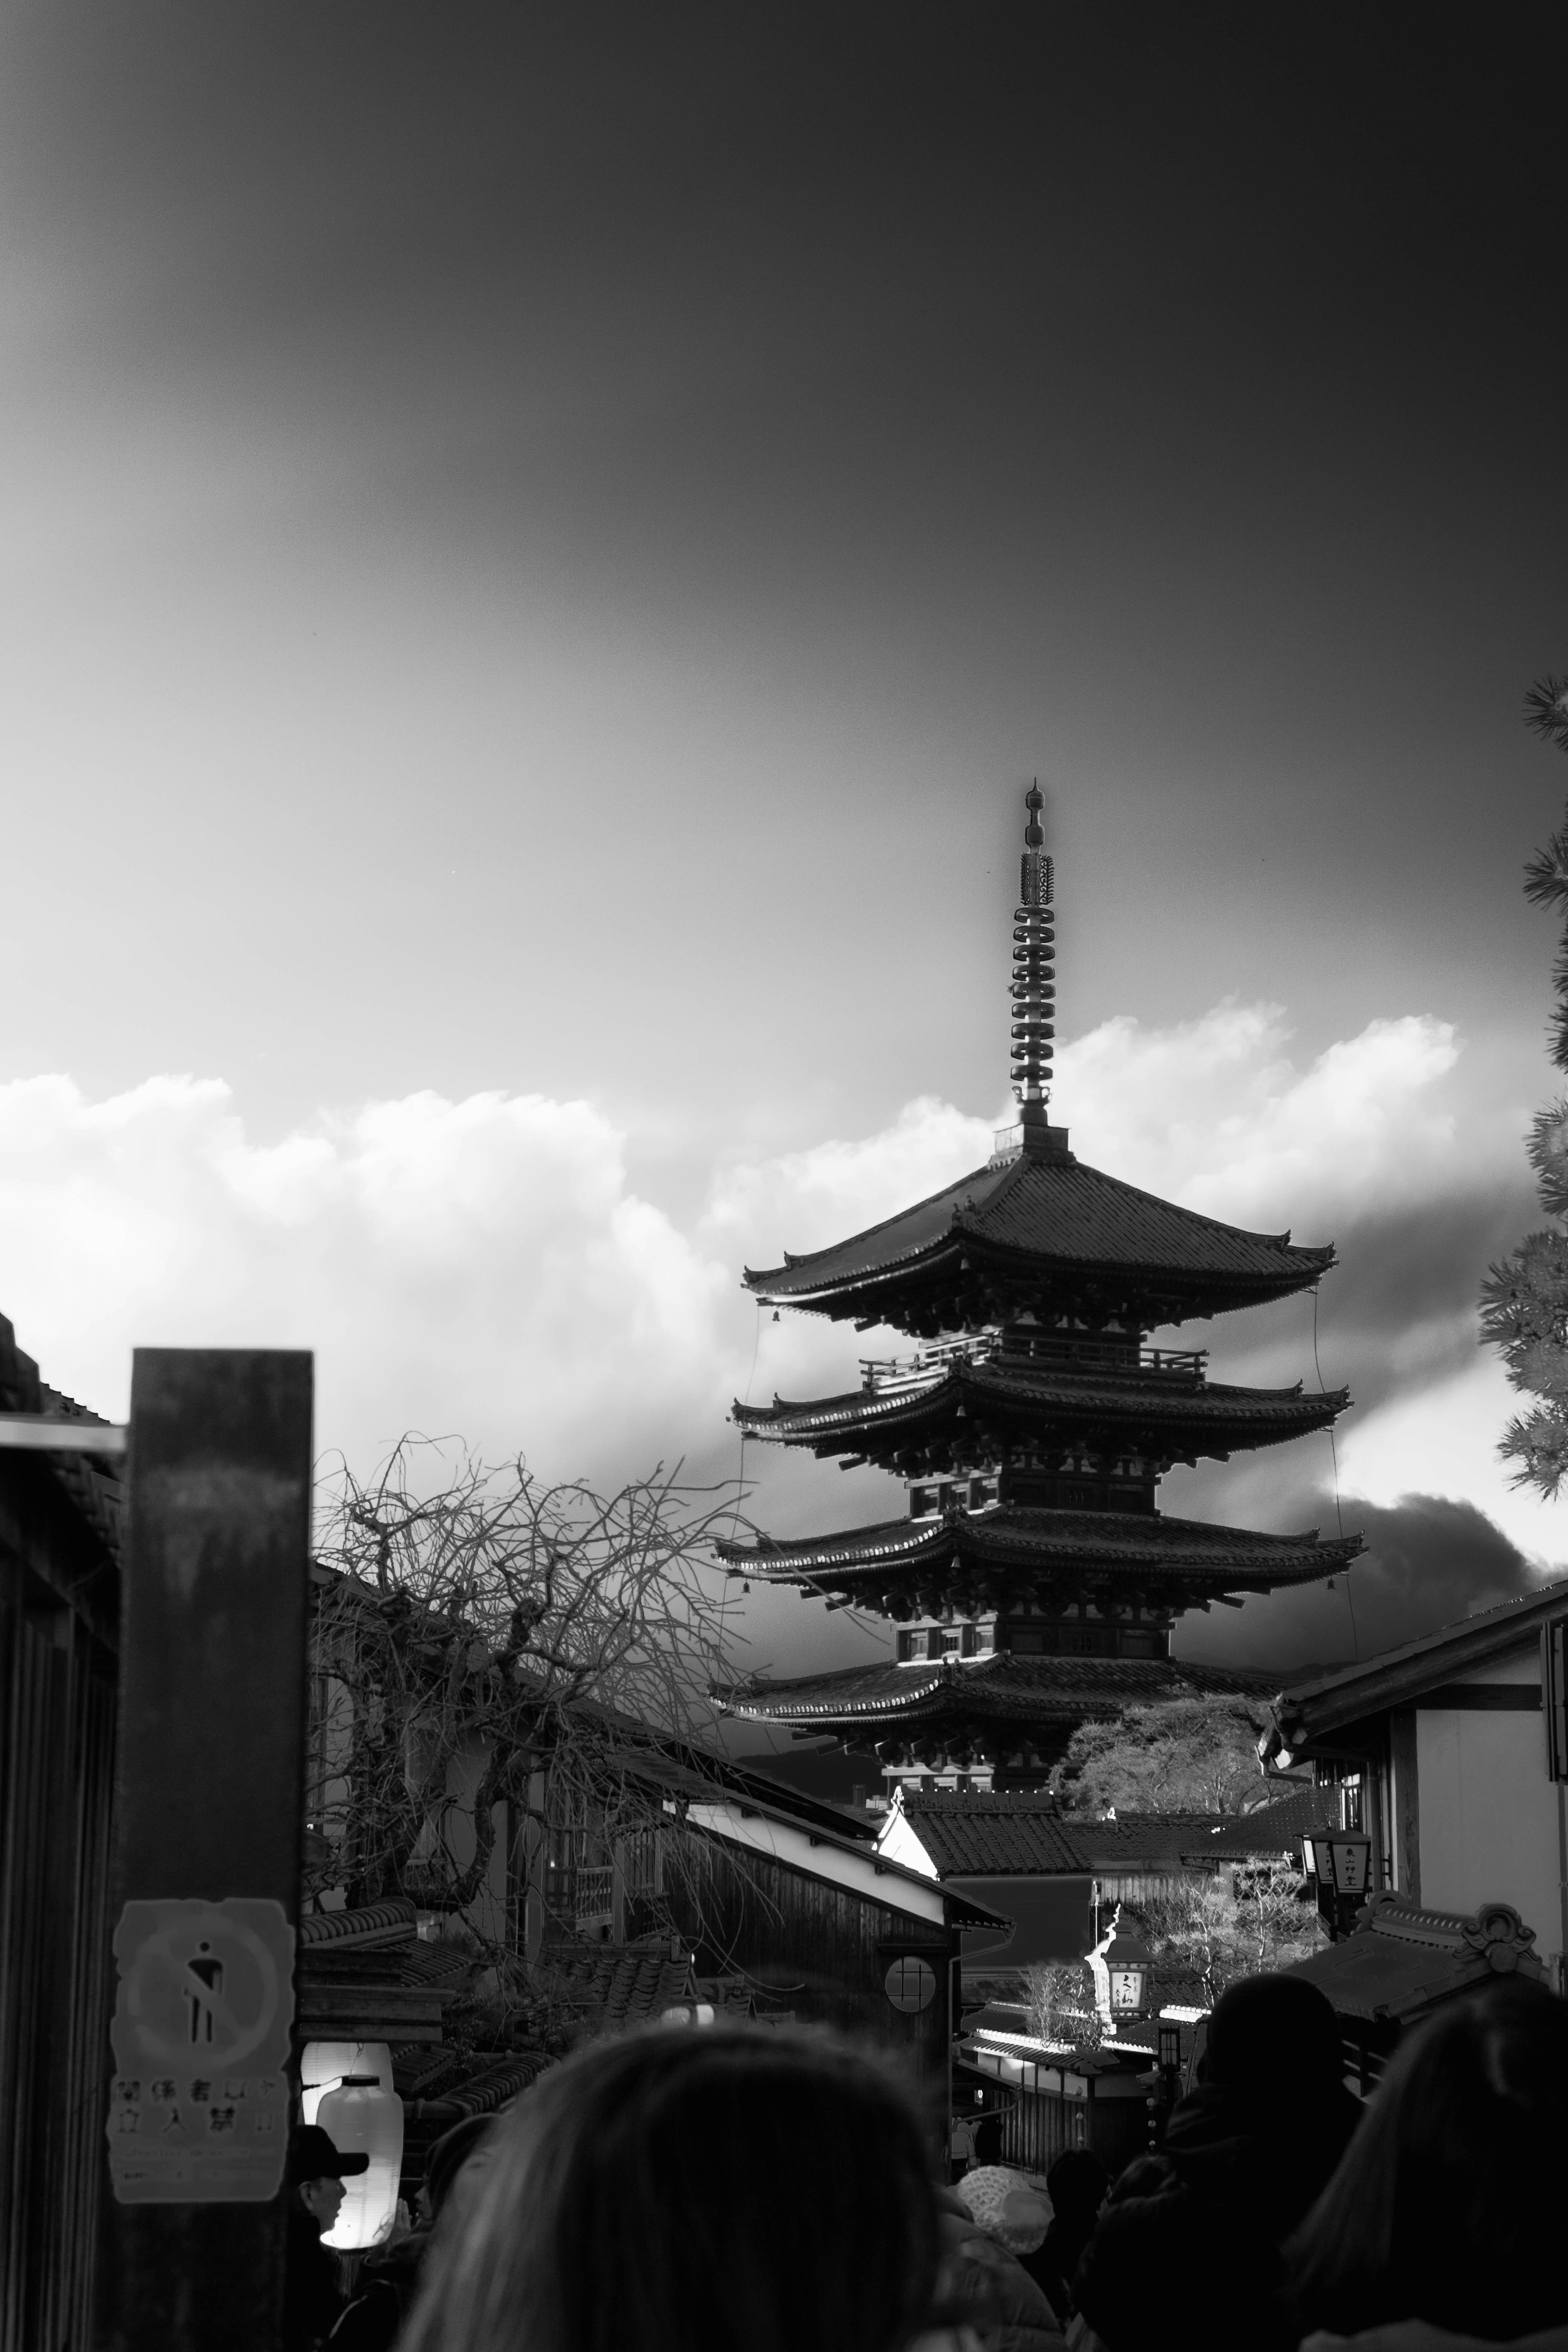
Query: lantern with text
(1127, 1965)
(363, 2115)
(1340, 1860)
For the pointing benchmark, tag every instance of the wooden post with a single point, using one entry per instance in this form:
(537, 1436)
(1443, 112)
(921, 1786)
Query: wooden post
(209, 1793)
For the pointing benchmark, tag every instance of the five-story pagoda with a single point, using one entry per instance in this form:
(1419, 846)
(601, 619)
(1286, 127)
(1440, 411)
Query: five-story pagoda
(1034, 1581)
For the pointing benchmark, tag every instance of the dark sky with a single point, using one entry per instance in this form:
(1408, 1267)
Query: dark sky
(482, 478)
(542, 545)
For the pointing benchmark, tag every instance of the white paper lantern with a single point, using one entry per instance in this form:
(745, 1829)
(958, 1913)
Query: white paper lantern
(363, 2115)
(324, 2064)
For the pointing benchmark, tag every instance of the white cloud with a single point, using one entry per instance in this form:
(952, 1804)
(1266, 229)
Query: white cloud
(478, 1267)
(485, 1265)
(1214, 1113)
(802, 1201)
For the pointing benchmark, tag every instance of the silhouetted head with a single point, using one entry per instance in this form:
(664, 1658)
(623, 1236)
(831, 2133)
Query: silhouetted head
(1076, 2184)
(1273, 2034)
(1448, 2204)
(695, 2189)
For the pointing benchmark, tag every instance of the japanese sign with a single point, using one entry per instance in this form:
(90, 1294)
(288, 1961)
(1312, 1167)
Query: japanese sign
(199, 2105)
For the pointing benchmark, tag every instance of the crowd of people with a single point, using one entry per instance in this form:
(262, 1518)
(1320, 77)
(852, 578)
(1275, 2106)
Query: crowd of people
(720, 2190)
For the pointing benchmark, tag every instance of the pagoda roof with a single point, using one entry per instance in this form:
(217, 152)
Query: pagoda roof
(1041, 1229)
(1003, 1688)
(1154, 1413)
(1129, 1552)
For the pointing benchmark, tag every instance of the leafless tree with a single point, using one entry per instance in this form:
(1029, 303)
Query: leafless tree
(1062, 2009)
(1237, 1924)
(479, 1636)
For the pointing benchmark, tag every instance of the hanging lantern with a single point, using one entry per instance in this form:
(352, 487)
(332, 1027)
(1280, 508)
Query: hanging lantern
(324, 2064)
(1127, 1963)
(1340, 1859)
(363, 2115)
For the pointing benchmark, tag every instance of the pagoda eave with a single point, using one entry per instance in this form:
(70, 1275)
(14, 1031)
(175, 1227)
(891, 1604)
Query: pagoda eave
(1043, 1234)
(1003, 1691)
(1016, 1553)
(960, 1290)
(978, 1407)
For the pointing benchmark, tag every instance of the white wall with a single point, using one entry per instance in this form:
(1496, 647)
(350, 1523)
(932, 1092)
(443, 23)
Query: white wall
(1490, 1816)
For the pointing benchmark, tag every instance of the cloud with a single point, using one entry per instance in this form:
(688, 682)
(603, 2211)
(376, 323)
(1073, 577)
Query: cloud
(1215, 1113)
(480, 1266)
(1429, 1561)
(488, 1267)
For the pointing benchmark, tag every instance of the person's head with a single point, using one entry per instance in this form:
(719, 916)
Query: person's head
(1003, 2204)
(1076, 2184)
(1274, 2037)
(1448, 2204)
(456, 2167)
(743, 2191)
(316, 2172)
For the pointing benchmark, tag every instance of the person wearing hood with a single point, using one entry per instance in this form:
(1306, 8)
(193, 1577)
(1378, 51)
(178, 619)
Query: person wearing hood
(987, 2222)
(1269, 2118)
(1075, 2188)
(1246, 2153)
(1442, 2230)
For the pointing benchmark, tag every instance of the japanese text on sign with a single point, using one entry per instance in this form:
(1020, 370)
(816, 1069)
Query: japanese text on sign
(199, 2105)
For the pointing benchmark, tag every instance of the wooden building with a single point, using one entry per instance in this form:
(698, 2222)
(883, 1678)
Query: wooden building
(1032, 1581)
(827, 1929)
(1053, 2099)
(60, 1628)
(1451, 1754)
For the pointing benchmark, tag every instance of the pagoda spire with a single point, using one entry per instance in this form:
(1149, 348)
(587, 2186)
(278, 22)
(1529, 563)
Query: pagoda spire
(1034, 971)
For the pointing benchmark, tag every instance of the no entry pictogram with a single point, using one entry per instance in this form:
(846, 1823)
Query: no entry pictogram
(199, 2109)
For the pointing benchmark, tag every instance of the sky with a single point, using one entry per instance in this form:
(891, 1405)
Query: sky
(542, 549)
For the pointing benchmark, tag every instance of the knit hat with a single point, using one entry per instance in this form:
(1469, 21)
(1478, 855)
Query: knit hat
(986, 2190)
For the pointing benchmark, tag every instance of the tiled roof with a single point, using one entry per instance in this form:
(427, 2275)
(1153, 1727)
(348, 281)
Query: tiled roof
(1281, 1821)
(1137, 1544)
(977, 1834)
(1005, 1688)
(1146, 1410)
(443, 2087)
(1400, 1962)
(1056, 1215)
(614, 1985)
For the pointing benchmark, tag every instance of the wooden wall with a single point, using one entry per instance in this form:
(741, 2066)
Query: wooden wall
(58, 1602)
(821, 1951)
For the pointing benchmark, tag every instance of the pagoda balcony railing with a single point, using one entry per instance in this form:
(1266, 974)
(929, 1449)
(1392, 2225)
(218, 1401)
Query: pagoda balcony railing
(1067, 1349)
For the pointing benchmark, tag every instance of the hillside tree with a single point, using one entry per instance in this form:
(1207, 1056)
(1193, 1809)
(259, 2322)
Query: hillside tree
(1193, 1755)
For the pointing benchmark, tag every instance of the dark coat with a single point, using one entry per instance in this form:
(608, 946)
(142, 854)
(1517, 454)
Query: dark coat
(311, 2300)
(993, 2291)
(388, 2283)
(1246, 2154)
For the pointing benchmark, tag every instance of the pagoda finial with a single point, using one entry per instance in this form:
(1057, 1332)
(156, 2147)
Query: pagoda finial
(1034, 969)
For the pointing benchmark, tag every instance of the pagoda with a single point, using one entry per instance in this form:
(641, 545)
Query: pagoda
(1032, 1577)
